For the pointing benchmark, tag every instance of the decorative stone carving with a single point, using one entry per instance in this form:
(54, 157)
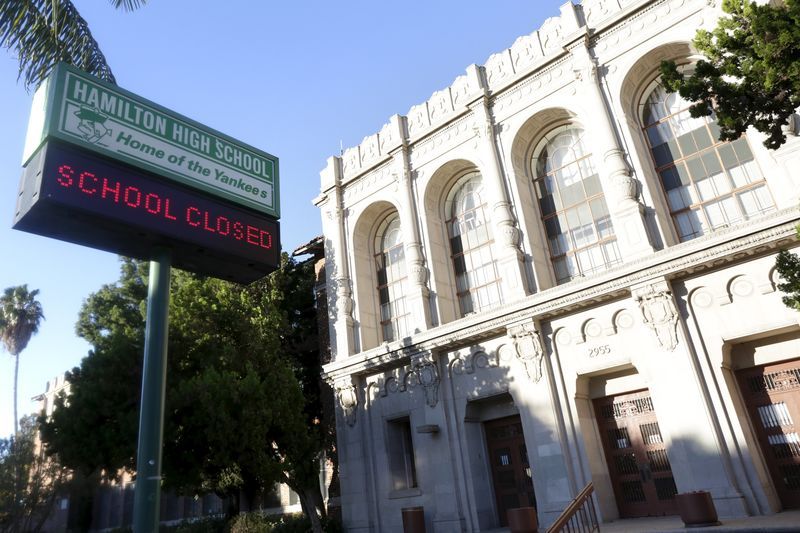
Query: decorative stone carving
(625, 186)
(597, 10)
(525, 51)
(659, 313)
(419, 275)
(343, 297)
(476, 359)
(428, 376)
(348, 400)
(529, 349)
(585, 69)
(484, 131)
(551, 34)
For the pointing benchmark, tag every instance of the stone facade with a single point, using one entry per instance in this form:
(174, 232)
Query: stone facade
(519, 309)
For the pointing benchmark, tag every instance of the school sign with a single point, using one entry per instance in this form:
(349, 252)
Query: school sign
(81, 110)
(108, 169)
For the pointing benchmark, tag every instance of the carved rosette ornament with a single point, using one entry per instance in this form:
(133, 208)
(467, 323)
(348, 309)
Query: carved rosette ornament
(428, 376)
(529, 349)
(348, 400)
(659, 313)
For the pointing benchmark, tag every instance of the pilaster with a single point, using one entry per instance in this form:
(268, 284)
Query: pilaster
(340, 300)
(510, 259)
(432, 436)
(537, 403)
(418, 296)
(354, 457)
(620, 186)
(685, 415)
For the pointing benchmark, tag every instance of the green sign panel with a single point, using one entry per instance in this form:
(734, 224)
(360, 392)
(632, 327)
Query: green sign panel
(80, 109)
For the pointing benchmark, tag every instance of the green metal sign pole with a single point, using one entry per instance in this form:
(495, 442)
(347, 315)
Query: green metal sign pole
(151, 416)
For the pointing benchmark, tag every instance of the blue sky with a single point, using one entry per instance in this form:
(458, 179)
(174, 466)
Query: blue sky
(295, 79)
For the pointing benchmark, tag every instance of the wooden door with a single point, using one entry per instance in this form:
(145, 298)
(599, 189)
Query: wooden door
(772, 396)
(511, 473)
(637, 458)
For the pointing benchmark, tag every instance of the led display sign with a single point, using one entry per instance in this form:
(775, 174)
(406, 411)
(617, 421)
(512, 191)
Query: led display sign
(77, 108)
(76, 196)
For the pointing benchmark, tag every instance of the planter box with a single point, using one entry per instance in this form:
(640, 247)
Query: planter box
(413, 520)
(697, 509)
(522, 520)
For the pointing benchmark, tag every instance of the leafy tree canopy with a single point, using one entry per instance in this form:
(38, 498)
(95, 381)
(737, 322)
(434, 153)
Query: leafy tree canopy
(751, 72)
(20, 316)
(43, 32)
(788, 266)
(29, 482)
(242, 384)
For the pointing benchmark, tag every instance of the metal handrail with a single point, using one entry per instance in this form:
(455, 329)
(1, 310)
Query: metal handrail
(580, 514)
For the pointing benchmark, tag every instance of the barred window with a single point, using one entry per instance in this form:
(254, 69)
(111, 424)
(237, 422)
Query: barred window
(580, 235)
(708, 184)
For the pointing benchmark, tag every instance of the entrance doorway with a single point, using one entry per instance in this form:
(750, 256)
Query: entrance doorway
(511, 473)
(772, 396)
(636, 455)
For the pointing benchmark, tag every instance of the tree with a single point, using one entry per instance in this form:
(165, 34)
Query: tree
(788, 266)
(20, 316)
(750, 75)
(44, 32)
(240, 403)
(29, 481)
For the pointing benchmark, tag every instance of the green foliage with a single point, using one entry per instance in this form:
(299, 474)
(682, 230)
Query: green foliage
(258, 523)
(206, 525)
(20, 316)
(751, 72)
(29, 481)
(242, 384)
(43, 32)
(301, 524)
(788, 266)
(250, 523)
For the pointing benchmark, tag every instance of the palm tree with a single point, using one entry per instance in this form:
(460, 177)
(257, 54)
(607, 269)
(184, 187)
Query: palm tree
(20, 315)
(44, 32)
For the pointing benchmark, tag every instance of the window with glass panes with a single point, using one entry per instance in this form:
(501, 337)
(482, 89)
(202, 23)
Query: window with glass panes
(708, 184)
(574, 211)
(477, 282)
(391, 269)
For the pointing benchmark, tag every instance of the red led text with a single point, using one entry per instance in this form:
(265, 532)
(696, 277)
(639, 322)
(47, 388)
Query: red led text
(117, 192)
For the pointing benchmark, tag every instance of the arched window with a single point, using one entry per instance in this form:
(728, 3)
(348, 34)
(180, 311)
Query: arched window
(390, 263)
(708, 184)
(574, 211)
(477, 282)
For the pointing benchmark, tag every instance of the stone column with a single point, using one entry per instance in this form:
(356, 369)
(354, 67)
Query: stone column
(510, 260)
(340, 301)
(538, 407)
(684, 410)
(621, 188)
(418, 295)
(354, 460)
(432, 438)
